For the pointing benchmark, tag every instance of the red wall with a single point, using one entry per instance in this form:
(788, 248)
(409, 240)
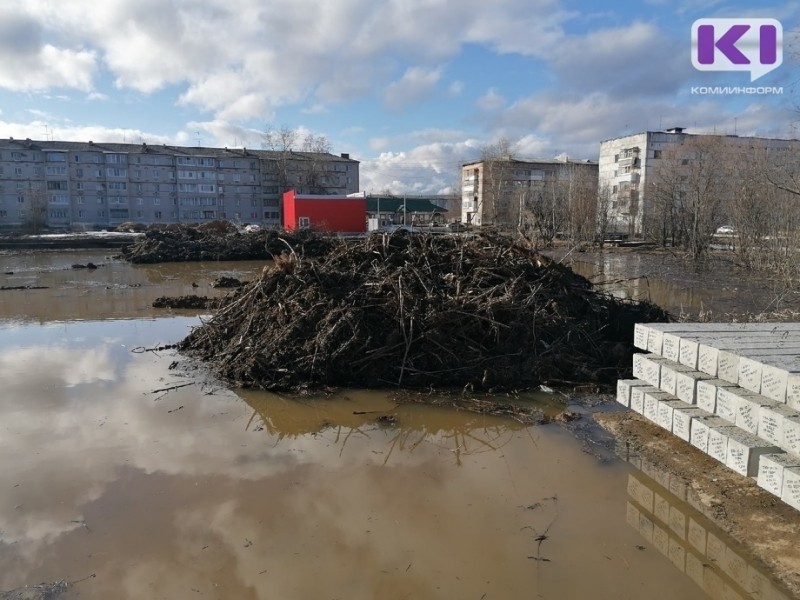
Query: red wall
(326, 213)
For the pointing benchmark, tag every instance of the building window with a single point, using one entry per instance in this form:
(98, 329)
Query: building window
(304, 222)
(157, 214)
(656, 153)
(21, 199)
(56, 157)
(79, 172)
(17, 170)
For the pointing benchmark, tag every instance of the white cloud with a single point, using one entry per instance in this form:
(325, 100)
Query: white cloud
(456, 88)
(635, 60)
(315, 109)
(491, 100)
(243, 60)
(416, 85)
(426, 169)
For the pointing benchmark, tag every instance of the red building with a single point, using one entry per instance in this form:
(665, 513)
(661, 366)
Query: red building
(343, 214)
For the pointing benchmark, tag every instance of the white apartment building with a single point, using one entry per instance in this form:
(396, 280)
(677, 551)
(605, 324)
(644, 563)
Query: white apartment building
(76, 185)
(490, 188)
(629, 167)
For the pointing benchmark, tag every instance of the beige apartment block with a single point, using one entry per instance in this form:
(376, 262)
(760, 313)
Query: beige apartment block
(507, 192)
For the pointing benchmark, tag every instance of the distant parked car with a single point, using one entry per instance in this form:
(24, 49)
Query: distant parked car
(457, 226)
(725, 230)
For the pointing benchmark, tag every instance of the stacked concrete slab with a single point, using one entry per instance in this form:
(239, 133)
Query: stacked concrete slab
(730, 389)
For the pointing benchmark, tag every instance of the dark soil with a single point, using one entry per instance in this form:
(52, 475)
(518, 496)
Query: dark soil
(418, 311)
(227, 282)
(196, 302)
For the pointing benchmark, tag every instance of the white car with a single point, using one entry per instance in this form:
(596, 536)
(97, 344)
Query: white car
(725, 230)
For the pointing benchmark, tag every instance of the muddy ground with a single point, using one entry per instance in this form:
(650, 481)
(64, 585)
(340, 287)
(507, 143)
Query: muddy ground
(767, 527)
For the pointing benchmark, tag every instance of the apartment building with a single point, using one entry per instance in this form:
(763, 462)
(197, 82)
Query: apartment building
(76, 185)
(637, 170)
(496, 191)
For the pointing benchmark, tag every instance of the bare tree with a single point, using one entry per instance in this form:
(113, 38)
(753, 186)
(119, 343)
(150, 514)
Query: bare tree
(686, 195)
(582, 203)
(497, 195)
(312, 164)
(280, 142)
(603, 215)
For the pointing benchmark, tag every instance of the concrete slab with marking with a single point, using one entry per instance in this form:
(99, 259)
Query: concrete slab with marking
(748, 413)
(666, 410)
(708, 350)
(624, 387)
(718, 441)
(744, 451)
(699, 434)
(707, 393)
(669, 375)
(771, 423)
(682, 417)
(791, 487)
(791, 435)
(652, 401)
(686, 385)
(770, 471)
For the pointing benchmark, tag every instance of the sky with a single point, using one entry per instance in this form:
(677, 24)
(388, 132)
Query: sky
(410, 88)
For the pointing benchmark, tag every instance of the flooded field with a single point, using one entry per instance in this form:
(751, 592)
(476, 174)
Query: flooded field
(129, 478)
(718, 288)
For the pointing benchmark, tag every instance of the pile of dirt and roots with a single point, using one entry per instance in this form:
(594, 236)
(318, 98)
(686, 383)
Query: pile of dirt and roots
(419, 311)
(219, 240)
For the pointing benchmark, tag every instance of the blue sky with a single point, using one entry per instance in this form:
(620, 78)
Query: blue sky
(411, 88)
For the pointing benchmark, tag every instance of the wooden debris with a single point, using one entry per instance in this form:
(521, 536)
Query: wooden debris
(417, 311)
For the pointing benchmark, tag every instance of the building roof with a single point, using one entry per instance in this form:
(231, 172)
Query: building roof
(538, 161)
(396, 204)
(144, 148)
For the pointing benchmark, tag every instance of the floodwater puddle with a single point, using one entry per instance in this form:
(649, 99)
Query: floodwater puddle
(664, 280)
(130, 478)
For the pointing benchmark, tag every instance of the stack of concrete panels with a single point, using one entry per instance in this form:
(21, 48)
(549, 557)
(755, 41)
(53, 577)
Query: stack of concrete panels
(730, 389)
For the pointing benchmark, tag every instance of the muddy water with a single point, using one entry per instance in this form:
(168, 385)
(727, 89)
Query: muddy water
(118, 476)
(717, 290)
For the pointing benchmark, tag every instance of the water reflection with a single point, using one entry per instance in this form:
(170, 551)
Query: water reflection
(663, 511)
(182, 495)
(671, 284)
(375, 416)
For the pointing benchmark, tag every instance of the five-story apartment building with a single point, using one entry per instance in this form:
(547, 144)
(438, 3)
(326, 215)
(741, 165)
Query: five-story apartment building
(76, 185)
